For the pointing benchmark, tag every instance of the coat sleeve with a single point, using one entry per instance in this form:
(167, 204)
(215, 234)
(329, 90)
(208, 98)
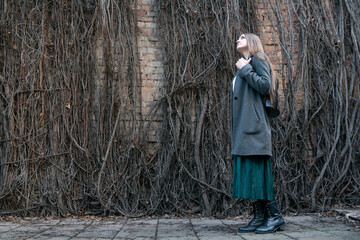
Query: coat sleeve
(257, 74)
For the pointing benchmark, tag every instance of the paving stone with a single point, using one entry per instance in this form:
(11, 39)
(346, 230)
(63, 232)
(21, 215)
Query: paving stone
(58, 232)
(173, 221)
(7, 228)
(97, 234)
(210, 230)
(31, 229)
(41, 222)
(143, 221)
(215, 222)
(235, 222)
(167, 233)
(220, 238)
(10, 224)
(113, 227)
(16, 235)
(132, 231)
(44, 237)
(177, 238)
(272, 236)
(75, 221)
(330, 238)
(137, 238)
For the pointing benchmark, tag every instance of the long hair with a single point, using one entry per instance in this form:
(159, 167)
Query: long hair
(255, 47)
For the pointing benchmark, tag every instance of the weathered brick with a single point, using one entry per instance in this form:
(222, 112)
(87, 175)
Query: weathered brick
(146, 30)
(156, 64)
(150, 24)
(141, 13)
(269, 35)
(146, 2)
(147, 83)
(147, 7)
(141, 25)
(270, 48)
(145, 19)
(151, 13)
(156, 78)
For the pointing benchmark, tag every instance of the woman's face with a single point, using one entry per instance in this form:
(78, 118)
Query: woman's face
(241, 43)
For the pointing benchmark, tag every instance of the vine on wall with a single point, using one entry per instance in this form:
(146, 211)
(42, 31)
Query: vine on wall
(73, 140)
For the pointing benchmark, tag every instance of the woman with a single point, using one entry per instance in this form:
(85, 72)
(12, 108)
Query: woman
(251, 136)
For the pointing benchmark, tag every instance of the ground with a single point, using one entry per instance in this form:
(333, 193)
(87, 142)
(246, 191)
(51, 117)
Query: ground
(335, 226)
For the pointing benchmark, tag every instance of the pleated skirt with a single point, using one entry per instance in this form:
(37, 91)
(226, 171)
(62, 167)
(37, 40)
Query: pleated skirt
(252, 177)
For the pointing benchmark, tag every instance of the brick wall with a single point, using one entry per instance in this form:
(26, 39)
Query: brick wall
(151, 60)
(151, 64)
(268, 35)
(267, 23)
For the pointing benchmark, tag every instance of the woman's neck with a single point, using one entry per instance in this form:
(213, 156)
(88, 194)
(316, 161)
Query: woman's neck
(246, 54)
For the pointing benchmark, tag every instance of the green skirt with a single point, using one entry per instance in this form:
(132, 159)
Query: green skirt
(252, 177)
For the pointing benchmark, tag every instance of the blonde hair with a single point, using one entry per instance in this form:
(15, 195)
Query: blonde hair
(255, 47)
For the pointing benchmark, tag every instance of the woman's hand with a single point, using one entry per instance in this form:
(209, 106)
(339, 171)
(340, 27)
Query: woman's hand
(242, 62)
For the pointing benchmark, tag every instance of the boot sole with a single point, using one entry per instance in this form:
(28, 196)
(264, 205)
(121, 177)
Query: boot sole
(279, 228)
(246, 231)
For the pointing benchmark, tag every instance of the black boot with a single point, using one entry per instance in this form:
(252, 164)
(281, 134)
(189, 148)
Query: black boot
(258, 220)
(274, 220)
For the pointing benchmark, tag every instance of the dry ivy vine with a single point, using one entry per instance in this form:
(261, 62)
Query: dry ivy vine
(73, 141)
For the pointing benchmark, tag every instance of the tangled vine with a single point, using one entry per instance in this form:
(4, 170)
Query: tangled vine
(72, 140)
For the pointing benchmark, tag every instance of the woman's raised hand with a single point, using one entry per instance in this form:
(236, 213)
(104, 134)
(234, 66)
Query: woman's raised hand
(242, 62)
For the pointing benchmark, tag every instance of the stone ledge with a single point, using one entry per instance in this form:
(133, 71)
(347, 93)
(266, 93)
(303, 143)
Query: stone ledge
(353, 214)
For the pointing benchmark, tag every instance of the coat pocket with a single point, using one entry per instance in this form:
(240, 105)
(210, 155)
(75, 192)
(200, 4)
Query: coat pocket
(252, 122)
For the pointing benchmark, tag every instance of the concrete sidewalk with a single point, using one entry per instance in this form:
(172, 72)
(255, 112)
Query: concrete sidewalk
(309, 227)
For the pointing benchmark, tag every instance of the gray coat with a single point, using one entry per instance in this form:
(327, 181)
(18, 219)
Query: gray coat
(250, 128)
